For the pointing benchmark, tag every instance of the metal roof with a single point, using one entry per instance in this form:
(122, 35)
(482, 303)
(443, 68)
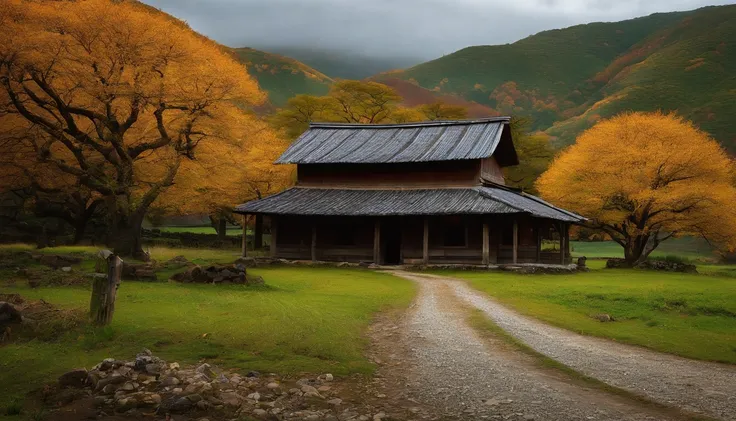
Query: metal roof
(454, 201)
(333, 143)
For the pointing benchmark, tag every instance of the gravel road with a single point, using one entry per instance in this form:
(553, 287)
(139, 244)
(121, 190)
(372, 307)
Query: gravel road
(695, 386)
(465, 376)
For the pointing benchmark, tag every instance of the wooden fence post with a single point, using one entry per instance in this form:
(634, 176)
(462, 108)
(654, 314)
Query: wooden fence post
(104, 291)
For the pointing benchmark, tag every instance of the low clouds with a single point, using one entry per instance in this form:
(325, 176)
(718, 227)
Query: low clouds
(422, 29)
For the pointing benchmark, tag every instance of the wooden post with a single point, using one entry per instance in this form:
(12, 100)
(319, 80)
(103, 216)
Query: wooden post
(377, 242)
(486, 244)
(314, 241)
(562, 243)
(274, 234)
(104, 290)
(516, 242)
(539, 243)
(425, 244)
(244, 245)
(258, 233)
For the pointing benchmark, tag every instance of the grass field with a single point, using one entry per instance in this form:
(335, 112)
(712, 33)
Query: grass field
(233, 231)
(302, 321)
(689, 315)
(689, 248)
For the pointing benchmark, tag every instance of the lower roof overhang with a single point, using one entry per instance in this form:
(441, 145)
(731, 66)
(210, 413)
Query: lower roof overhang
(367, 202)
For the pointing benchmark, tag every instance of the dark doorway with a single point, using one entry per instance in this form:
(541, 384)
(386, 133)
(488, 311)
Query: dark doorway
(391, 235)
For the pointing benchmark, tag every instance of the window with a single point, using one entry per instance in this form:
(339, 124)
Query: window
(455, 232)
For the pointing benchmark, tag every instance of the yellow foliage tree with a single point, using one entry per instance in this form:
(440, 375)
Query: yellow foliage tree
(439, 110)
(121, 97)
(645, 177)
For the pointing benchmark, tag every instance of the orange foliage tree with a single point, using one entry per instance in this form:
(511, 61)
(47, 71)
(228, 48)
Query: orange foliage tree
(120, 97)
(352, 101)
(645, 177)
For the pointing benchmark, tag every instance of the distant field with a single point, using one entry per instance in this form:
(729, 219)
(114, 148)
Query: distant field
(232, 231)
(688, 248)
(685, 314)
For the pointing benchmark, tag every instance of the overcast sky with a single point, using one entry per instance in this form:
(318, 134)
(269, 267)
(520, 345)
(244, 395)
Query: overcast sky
(415, 28)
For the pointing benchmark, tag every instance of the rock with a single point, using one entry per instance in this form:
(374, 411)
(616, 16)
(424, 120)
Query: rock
(255, 396)
(259, 412)
(379, 416)
(206, 369)
(272, 385)
(380, 395)
(174, 366)
(110, 389)
(329, 377)
(128, 387)
(9, 314)
(661, 265)
(74, 378)
(181, 404)
(170, 381)
(153, 368)
(254, 280)
(66, 269)
(194, 398)
(604, 317)
(253, 374)
(324, 389)
(230, 399)
(308, 389)
(335, 402)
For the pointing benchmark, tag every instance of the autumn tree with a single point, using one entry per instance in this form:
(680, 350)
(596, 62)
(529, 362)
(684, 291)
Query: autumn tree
(225, 175)
(299, 111)
(122, 96)
(645, 177)
(535, 154)
(439, 110)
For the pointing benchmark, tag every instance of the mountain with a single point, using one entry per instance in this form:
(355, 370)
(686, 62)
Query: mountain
(568, 79)
(282, 77)
(345, 64)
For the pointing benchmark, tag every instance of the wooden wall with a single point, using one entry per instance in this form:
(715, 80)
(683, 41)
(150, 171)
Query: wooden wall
(351, 239)
(407, 175)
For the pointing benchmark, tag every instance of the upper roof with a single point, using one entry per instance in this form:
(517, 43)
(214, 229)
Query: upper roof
(336, 143)
(347, 202)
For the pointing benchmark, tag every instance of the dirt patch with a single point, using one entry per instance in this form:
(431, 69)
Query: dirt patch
(40, 320)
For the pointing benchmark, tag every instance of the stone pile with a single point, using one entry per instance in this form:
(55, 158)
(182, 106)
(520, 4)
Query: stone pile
(218, 274)
(661, 265)
(148, 384)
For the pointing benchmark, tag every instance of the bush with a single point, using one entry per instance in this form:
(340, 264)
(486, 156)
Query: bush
(671, 258)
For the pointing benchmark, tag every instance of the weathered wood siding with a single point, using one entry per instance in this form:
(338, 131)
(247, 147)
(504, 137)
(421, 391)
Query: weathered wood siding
(351, 239)
(491, 171)
(406, 175)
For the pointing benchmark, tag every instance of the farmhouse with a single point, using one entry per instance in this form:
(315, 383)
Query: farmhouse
(418, 193)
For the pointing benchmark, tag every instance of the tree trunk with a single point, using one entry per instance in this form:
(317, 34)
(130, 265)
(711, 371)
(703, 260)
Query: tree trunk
(79, 228)
(127, 239)
(104, 291)
(222, 229)
(638, 249)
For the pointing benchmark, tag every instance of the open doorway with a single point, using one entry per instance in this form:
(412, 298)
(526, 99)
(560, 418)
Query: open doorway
(391, 235)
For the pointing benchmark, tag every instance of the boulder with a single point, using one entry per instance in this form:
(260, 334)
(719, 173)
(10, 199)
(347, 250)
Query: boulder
(603, 317)
(661, 265)
(9, 314)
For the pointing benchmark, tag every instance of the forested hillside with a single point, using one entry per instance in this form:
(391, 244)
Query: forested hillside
(567, 79)
(282, 77)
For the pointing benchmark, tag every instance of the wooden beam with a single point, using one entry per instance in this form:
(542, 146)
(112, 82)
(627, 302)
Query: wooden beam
(486, 244)
(274, 234)
(314, 240)
(425, 244)
(516, 242)
(377, 242)
(562, 243)
(539, 242)
(244, 245)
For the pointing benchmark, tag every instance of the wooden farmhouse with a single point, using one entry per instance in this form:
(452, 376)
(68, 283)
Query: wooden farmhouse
(418, 193)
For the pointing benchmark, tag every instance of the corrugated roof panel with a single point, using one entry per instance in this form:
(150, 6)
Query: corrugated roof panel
(395, 143)
(477, 200)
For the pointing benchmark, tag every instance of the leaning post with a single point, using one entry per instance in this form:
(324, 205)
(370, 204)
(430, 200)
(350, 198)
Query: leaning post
(244, 245)
(104, 291)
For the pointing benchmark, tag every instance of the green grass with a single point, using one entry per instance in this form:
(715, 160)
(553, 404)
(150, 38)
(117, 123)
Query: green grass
(304, 320)
(689, 315)
(688, 248)
(231, 231)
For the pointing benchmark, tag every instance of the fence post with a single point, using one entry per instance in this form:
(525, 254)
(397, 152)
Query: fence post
(104, 291)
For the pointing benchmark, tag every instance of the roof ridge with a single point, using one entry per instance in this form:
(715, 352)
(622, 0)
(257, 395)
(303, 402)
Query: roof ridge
(329, 125)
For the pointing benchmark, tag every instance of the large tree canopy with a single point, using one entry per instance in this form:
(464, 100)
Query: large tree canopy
(115, 97)
(645, 177)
